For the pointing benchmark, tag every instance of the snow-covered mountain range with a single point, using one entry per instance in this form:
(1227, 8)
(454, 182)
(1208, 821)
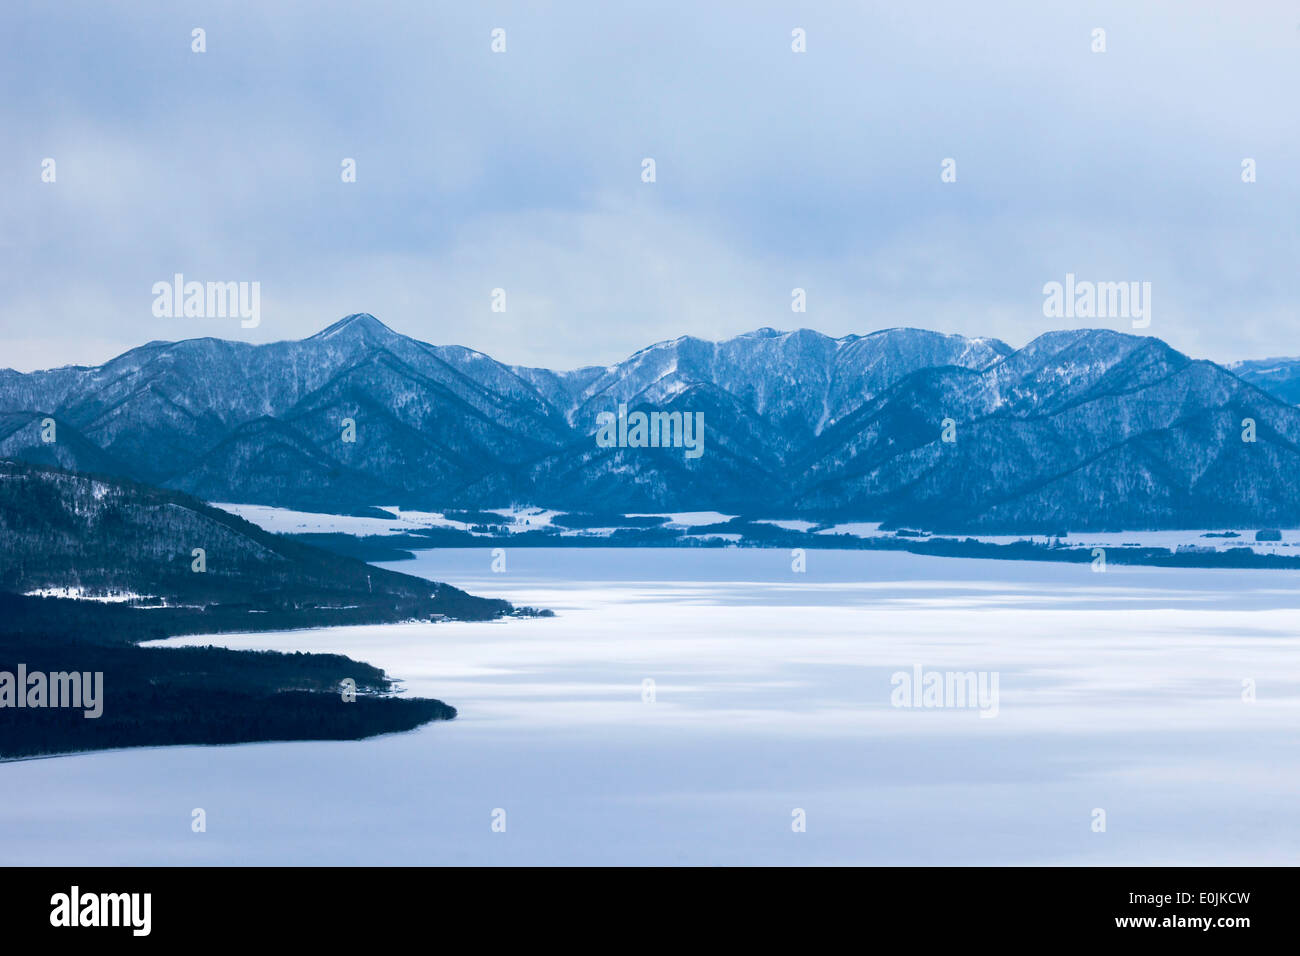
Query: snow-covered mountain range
(1080, 429)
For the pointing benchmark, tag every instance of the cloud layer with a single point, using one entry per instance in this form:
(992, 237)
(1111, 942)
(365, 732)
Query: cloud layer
(522, 170)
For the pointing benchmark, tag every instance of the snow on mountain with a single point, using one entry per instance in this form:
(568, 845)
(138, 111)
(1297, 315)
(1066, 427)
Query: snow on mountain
(1080, 428)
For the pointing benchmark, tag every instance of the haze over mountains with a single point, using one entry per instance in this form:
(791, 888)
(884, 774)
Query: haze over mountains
(1081, 429)
(1278, 376)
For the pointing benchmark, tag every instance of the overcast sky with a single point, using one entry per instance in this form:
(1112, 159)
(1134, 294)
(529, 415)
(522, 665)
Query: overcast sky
(522, 170)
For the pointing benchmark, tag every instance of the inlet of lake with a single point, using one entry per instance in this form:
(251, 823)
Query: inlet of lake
(714, 706)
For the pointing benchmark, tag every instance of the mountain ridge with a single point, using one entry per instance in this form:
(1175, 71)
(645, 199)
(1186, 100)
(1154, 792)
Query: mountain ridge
(798, 423)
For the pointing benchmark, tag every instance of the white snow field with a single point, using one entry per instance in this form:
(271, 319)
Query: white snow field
(1119, 691)
(517, 520)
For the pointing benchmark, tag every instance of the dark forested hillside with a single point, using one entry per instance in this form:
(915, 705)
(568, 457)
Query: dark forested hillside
(101, 535)
(95, 536)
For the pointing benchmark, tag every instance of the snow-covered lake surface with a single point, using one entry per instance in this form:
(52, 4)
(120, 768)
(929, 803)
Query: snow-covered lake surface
(1120, 691)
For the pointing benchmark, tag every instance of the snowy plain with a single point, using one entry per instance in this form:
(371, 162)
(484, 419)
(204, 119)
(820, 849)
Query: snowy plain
(520, 519)
(1120, 691)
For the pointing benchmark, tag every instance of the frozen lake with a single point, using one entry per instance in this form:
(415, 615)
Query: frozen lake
(1120, 691)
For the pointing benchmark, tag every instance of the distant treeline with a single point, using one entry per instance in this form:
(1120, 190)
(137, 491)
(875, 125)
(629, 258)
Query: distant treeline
(756, 535)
